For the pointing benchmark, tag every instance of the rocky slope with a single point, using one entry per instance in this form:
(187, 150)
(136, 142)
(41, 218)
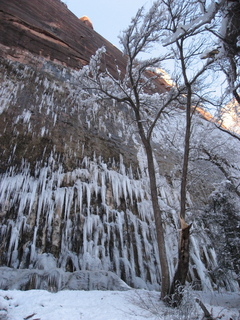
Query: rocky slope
(74, 191)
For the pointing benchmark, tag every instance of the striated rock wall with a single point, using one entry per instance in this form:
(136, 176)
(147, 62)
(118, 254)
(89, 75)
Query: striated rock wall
(52, 32)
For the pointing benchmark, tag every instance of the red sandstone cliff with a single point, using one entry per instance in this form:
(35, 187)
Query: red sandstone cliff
(48, 29)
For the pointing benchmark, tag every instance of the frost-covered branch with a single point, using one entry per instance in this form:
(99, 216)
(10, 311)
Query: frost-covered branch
(143, 32)
(223, 166)
(220, 22)
(234, 135)
(196, 23)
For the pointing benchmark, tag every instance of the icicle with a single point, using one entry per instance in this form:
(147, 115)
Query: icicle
(122, 167)
(201, 270)
(103, 188)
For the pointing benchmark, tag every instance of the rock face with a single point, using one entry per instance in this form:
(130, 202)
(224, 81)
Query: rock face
(79, 201)
(74, 193)
(49, 30)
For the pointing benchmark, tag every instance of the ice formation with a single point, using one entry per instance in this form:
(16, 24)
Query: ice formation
(79, 212)
(94, 214)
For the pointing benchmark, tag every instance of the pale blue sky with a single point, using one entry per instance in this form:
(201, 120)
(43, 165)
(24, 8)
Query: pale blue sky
(109, 17)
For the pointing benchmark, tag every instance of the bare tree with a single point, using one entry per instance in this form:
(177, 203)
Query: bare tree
(194, 31)
(186, 45)
(137, 87)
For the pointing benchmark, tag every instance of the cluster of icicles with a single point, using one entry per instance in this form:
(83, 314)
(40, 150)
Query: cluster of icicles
(96, 218)
(93, 218)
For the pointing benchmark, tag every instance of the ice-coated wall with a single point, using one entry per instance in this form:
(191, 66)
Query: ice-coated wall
(92, 218)
(74, 193)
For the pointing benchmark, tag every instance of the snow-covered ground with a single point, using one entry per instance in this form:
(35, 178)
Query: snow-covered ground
(111, 305)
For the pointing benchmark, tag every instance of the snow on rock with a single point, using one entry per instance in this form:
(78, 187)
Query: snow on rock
(56, 279)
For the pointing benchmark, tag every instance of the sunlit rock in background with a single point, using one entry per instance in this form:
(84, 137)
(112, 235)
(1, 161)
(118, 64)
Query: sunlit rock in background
(87, 21)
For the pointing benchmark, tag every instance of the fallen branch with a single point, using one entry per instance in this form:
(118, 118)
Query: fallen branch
(207, 315)
(30, 316)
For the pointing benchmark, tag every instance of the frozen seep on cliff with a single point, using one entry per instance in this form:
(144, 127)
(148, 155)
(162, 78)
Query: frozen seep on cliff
(74, 194)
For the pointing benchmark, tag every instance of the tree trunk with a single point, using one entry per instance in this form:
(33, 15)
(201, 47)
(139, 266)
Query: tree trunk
(180, 276)
(165, 278)
(179, 279)
(165, 285)
(186, 154)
